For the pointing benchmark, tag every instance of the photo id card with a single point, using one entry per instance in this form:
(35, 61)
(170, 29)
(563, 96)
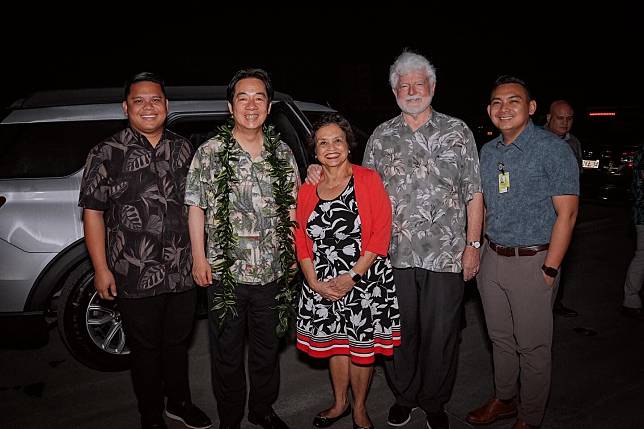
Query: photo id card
(504, 182)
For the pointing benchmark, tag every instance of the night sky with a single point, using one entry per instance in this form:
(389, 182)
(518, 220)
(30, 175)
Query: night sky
(590, 61)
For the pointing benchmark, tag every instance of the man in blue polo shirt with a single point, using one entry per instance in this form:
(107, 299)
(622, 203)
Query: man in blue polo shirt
(530, 182)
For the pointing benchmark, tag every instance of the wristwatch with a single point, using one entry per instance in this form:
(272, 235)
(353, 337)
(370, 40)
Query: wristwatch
(355, 276)
(550, 272)
(474, 244)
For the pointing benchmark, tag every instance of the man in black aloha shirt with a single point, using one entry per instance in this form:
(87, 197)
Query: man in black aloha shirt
(136, 231)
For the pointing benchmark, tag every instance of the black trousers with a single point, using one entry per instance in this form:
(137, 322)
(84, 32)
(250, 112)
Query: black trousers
(423, 369)
(256, 313)
(158, 331)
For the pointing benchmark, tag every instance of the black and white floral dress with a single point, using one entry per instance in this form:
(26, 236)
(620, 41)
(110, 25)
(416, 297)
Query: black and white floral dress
(366, 320)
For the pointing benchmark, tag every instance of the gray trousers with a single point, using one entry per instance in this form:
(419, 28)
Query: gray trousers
(423, 369)
(635, 273)
(518, 311)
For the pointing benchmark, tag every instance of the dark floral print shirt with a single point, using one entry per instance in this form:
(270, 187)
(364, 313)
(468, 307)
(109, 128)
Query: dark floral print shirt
(140, 189)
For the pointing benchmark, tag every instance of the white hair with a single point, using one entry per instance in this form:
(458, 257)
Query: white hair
(408, 62)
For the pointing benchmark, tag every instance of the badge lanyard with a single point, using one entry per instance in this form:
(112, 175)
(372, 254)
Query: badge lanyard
(504, 179)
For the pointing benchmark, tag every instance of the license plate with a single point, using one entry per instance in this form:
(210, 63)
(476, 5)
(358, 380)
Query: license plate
(590, 163)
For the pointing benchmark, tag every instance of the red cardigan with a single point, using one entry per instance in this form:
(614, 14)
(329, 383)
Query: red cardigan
(374, 208)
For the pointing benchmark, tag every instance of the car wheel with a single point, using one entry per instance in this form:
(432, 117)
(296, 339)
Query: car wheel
(91, 327)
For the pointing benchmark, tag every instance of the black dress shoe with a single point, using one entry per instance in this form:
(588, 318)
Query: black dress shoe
(562, 310)
(325, 422)
(269, 421)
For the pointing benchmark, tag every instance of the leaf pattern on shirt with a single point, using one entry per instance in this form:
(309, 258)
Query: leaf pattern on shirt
(137, 159)
(430, 175)
(152, 277)
(130, 218)
(144, 214)
(252, 209)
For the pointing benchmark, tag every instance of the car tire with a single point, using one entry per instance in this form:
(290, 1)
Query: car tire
(90, 327)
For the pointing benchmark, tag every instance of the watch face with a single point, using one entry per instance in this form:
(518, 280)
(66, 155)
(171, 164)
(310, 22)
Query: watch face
(550, 272)
(474, 244)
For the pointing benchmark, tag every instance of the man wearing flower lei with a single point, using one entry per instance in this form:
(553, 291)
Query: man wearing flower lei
(241, 190)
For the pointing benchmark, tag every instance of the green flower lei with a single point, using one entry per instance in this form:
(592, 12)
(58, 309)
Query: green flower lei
(224, 302)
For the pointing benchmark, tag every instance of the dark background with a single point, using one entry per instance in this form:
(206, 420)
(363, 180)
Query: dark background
(334, 56)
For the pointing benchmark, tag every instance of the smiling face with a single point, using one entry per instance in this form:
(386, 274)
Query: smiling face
(331, 147)
(414, 92)
(250, 105)
(510, 109)
(146, 108)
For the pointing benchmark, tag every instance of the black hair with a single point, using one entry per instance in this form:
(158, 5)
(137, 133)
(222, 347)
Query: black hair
(340, 121)
(246, 73)
(144, 77)
(506, 78)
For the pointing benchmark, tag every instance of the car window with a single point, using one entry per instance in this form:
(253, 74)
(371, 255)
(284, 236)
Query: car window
(50, 149)
(197, 129)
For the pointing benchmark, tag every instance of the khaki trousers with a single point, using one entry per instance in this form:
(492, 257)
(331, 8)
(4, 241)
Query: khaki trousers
(518, 312)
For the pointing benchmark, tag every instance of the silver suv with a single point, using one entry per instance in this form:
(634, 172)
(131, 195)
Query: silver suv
(45, 272)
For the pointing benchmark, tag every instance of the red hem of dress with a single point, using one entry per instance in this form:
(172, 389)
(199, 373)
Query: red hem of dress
(361, 356)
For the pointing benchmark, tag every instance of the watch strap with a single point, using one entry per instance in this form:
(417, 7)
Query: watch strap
(355, 276)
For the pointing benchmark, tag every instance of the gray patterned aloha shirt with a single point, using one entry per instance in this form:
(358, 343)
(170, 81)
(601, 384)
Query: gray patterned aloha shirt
(430, 174)
(140, 189)
(252, 209)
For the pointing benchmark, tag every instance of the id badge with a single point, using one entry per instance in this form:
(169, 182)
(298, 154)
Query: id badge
(504, 182)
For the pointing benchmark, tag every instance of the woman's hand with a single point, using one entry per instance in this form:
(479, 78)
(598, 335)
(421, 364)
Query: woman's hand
(327, 289)
(343, 284)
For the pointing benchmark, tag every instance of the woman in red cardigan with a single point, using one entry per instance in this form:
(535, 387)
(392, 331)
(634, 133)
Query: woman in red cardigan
(348, 309)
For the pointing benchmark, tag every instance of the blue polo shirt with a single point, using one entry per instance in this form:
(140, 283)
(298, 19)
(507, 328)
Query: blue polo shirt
(541, 165)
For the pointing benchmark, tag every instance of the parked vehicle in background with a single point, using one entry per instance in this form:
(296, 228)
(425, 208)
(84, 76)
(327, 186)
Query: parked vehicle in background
(609, 137)
(45, 272)
(314, 111)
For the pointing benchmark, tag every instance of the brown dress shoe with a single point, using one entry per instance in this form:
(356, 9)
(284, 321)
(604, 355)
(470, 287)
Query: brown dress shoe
(520, 424)
(493, 410)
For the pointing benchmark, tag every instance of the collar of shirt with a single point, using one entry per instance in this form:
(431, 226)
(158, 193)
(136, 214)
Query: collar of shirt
(143, 140)
(431, 121)
(262, 154)
(522, 139)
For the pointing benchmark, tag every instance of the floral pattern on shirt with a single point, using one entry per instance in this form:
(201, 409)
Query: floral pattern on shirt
(140, 189)
(252, 209)
(430, 174)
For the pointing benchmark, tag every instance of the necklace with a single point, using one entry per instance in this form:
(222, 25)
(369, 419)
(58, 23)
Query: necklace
(224, 302)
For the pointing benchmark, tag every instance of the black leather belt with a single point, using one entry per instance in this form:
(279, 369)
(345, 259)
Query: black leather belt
(518, 251)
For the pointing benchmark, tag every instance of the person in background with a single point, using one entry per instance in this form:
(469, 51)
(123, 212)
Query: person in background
(531, 190)
(559, 121)
(348, 310)
(239, 185)
(632, 304)
(136, 232)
